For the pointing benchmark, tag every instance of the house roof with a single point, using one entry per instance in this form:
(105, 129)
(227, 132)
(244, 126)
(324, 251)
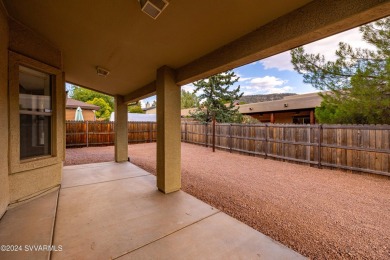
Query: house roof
(304, 101)
(293, 102)
(194, 38)
(72, 103)
(148, 108)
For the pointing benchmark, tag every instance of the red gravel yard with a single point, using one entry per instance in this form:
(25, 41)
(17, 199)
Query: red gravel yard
(322, 214)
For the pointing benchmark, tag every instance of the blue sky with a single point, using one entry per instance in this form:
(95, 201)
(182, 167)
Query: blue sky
(276, 74)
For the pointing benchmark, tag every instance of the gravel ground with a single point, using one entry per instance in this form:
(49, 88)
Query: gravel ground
(323, 214)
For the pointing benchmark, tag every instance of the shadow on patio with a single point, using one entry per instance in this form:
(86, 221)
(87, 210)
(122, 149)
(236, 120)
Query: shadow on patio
(110, 210)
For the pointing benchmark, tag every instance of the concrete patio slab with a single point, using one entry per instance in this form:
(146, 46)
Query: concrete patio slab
(105, 172)
(216, 237)
(27, 226)
(111, 218)
(122, 215)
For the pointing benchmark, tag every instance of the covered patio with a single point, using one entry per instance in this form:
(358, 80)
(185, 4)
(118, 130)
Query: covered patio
(113, 211)
(116, 210)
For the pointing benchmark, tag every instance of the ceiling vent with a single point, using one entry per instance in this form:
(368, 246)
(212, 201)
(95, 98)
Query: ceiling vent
(153, 8)
(102, 72)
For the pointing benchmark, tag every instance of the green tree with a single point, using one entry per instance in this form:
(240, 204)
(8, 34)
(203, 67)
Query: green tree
(105, 111)
(135, 108)
(188, 99)
(85, 95)
(357, 83)
(217, 98)
(249, 120)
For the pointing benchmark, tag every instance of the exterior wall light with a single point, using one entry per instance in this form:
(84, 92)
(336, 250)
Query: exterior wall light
(153, 8)
(102, 72)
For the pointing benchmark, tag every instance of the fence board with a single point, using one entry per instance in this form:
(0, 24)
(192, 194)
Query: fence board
(354, 147)
(95, 133)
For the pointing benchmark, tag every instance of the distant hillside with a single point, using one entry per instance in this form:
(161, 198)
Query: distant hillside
(261, 98)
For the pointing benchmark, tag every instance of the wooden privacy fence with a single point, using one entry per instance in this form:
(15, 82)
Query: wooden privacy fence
(95, 133)
(353, 147)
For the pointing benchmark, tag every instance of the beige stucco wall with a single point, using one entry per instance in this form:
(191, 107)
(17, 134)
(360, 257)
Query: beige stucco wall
(121, 134)
(26, 184)
(151, 111)
(88, 115)
(4, 191)
(27, 42)
(31, 177)
(168, 131)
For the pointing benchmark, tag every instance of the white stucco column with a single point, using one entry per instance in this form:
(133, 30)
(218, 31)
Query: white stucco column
(121, 138)
(168, 131)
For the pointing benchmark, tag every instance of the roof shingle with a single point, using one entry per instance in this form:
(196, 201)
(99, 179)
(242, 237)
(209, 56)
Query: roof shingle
(72, 103)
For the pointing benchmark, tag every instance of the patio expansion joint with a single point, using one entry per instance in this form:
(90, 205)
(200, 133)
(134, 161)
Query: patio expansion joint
(164, 236)
(54, 222)
(87, 184)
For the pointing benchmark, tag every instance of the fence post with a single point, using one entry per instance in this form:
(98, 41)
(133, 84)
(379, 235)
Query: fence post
(319, 144)
(231, 138)
(207, 134)
(214, 134)
(150, 132)
(87, 135)
(185, 132)
(266, 142)
(284, 144)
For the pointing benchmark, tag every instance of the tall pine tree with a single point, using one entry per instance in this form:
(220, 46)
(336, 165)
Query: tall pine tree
(217, 99)
(357, 83)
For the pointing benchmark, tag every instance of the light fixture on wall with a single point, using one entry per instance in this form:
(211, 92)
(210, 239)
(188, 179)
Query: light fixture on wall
(102, 72)
(153, 8)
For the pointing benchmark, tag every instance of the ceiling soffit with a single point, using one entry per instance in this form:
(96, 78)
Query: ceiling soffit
(196, 38)
(118, 36)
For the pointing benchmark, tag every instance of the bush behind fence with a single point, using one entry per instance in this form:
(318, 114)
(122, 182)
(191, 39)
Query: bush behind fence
(353, 147)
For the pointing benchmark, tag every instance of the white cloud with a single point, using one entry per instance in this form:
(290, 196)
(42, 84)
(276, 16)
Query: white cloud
(189, 87)
(243, 79)
(280, 61)
(267, 81)
(266, 85)
(326, 47)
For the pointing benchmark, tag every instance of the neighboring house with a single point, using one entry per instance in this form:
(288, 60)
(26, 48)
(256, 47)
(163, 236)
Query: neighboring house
(296, 109)
(88, 110)
(186, 112)
(150, 110)
(136, 117)
(282, 108)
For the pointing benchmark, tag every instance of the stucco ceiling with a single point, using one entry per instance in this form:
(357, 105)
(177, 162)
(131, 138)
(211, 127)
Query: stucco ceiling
(117, 36)
(196, 38)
